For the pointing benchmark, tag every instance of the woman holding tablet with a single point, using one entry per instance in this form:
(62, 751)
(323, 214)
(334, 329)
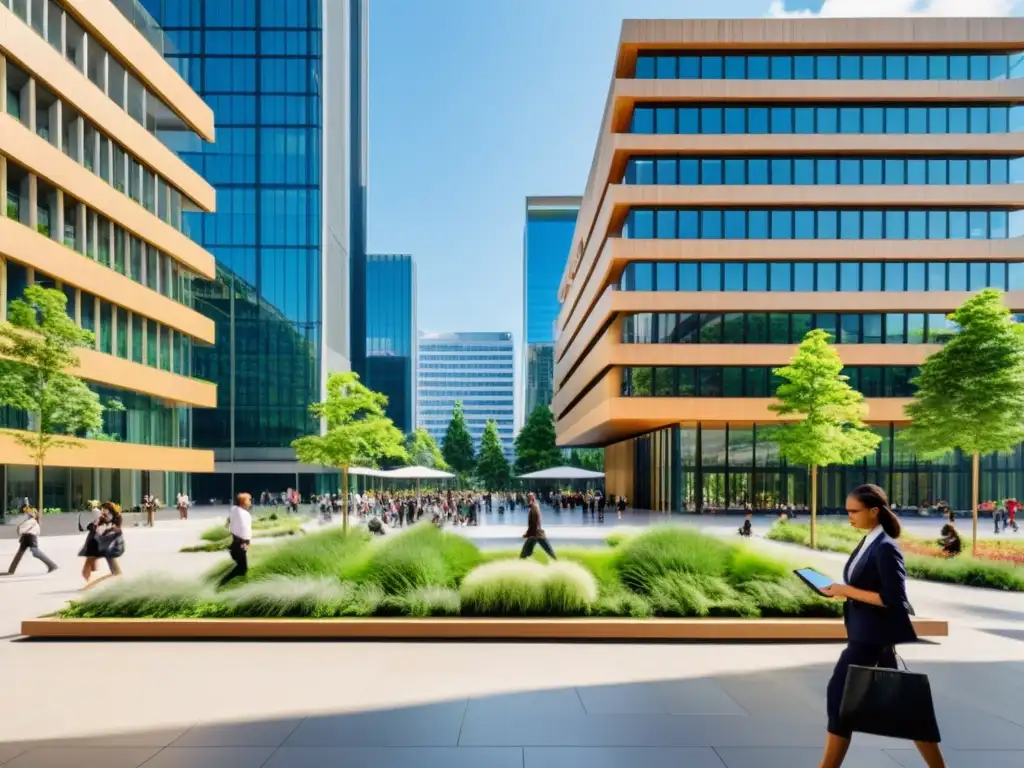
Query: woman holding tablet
(876, 613)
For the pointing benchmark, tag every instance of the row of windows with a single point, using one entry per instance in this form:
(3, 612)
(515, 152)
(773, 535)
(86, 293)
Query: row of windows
(849, 119)
(822, 224)
(825, 276)
(783, 327)
(465, 349)
(99, 239)
(118, 331)
(464, 356)
(824, 170)
(737, 381)
(78, 138)
(441, 375)
(829, 66)
(464, 366)
(85, 52)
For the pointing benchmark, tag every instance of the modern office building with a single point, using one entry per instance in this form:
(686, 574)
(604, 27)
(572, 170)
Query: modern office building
(94, 205)
(391, 338)
(288, 79)
(547, 237)
(755, 179)
(474, 368)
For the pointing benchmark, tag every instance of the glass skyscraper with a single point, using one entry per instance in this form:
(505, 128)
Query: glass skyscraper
(391, 334)
(474, 368)
(550, 222)
(289, 166)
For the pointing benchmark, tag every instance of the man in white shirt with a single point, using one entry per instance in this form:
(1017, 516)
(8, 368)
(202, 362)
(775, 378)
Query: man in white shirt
(240, 525)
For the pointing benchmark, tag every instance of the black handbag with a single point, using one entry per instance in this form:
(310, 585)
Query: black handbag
(889, 702)
(110, 545)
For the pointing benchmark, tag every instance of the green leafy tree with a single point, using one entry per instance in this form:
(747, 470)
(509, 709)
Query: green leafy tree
(38, 344)
(492, 468)
(587, 458)
(830, 429)
(356, 431)
(535, 443)
(458, 443)
(970, 394)
(423, 451)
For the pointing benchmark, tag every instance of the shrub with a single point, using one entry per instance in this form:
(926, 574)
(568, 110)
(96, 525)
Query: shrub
(667, 550)
(215, 533)
(420, 556)
(320, 553)
(615, 538)
(622, 602)
(155, 596)
(424, 601)
(692, 594)
(528, 588)
(832, 537)
(789, 597)
(314, 597)
(747, 565)
(967, 570)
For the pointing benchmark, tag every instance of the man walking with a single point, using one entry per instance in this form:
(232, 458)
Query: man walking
(534, 532)
(240, 525)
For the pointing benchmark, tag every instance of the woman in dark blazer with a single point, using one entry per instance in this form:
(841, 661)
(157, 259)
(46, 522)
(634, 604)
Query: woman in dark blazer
(876, 612)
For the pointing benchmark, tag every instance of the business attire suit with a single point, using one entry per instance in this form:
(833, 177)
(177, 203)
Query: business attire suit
(872, 631)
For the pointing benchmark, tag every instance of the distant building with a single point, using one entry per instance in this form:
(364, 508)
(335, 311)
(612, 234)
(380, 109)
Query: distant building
(391, 334)
(475, 368)
(550, 222)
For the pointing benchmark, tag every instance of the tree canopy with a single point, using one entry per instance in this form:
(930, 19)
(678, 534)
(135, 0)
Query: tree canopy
(535, 443)
(832, 430)
(357, 431)
(587, 458)
(422, 450)
(458, 443)
(970, 393)
(38, 344)
(492, 468)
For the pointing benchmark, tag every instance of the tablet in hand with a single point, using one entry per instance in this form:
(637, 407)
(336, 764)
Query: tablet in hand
(816, 580)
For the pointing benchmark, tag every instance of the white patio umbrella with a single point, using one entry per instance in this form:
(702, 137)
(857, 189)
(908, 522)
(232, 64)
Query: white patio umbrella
(563, 473)
(417, 474)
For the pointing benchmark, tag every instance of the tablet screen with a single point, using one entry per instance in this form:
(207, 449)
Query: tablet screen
(815, 578)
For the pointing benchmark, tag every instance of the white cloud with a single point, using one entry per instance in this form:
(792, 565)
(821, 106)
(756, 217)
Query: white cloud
(854, 8)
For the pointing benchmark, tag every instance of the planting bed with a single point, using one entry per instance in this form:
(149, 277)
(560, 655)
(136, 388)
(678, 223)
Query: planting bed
(999, 564)
(217, 538)
(421, 572)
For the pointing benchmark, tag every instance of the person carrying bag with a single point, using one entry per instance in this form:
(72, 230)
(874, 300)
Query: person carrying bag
(867, 692)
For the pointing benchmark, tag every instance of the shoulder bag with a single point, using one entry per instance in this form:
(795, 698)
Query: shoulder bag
(889, 702)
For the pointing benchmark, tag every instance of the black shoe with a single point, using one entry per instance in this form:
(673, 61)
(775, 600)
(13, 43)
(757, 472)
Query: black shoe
(51, 570)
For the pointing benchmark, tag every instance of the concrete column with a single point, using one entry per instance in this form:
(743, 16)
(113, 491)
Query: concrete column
(57, 215)
(3, 85)
(105, 72)
(28, 104)
(63, 33)
(83, 55)
(29, 194)
(78, 308)
(78, 139)
(57, 125)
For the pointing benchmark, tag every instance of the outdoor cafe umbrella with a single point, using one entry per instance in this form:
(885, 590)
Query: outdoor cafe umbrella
(563, 473)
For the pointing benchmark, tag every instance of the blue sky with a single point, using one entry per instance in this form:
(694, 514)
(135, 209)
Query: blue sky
(475, 104)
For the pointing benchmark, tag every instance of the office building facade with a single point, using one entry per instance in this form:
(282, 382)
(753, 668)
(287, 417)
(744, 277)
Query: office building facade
(391, 338)
(756, 179)
(288, 78)
(547, 237)
(476, 369)
(95, 202)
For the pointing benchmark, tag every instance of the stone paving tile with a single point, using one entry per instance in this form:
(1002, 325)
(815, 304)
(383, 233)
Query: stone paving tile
(12, 750)
(778, 696)
(271, 733)
(150, 738)
(210, 757)
(397, 757)
(787, 757)
(621, 757)
(670, 697)
(537, 703)
(83, 757)
(430, 725)
(639, 731)
(975, 758)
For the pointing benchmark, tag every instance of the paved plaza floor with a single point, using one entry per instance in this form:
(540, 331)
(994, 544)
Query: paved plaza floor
(473, 705)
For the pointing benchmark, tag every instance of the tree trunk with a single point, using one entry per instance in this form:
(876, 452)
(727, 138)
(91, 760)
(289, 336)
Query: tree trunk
(344, 498)
(975, 482)
(814, 506)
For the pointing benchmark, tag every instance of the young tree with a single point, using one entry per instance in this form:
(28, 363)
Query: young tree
(587, 458)
(423, 451)
(535, 443)
(831, 430)
(970, 394)
(357, 431)
(458, 444)
(38, 346)
(492, 467)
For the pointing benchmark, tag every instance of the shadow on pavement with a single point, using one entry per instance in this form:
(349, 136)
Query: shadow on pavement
(764, 719)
